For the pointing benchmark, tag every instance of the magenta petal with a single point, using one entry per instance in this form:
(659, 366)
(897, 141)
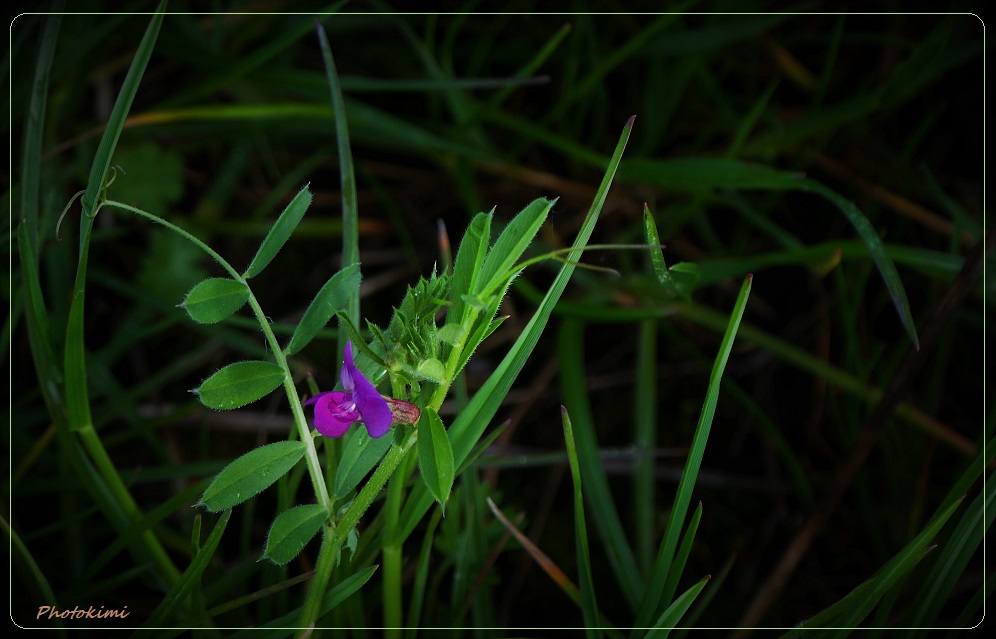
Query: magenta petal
(335, 412)
(374, 411)
(349, 370)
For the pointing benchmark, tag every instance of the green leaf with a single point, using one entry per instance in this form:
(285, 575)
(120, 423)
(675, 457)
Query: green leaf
(511, 244)
(685, 276)
(251, 474)
(333, 297)
(435, 456)
(654, 241)
(467, 268)
(292, 530)
(239, 384)
(215, 299)
(451, 333)
(279, 233)
(678, 565)
(361, 455)
(432, 369)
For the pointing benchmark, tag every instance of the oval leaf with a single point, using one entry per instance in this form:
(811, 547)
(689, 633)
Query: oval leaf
(361, 455)
(467, 268)
(291, 531)
(279, 233)
(215, 299)
(251, 474)
(239, 384)
(435, 456)
(331, 299)
(432, 369)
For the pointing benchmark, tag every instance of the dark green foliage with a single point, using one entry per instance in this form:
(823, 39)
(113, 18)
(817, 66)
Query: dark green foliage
(837, 158)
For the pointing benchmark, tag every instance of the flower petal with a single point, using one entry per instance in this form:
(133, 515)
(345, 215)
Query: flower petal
(374, 411)
(335, 412)
(348, 371)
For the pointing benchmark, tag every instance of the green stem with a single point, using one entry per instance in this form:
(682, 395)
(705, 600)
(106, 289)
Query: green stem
(391, 549)
(311, 455)
(391, 553)
(328, 556)
(453, 360)
(331, 539)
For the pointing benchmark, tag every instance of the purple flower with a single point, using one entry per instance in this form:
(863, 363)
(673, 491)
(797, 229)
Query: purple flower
(336, 411)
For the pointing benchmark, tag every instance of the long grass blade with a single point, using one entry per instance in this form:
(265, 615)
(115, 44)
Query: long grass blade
(174, 598)
(34, 126)
(75, 367)
(596, 483)
(347, 179)
(589, 603)
(670, 617)
(653, 598)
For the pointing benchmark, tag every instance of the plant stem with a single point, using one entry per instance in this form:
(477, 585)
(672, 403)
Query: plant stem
(311, 455)
(453, 360)
(391, 552)
(328, 556)
(314, 467)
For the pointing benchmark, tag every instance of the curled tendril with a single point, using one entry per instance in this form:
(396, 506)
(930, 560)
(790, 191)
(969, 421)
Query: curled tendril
(113, 176)
(58, 224)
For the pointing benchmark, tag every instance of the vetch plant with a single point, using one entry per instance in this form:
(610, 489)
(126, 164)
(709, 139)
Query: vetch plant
(366, 462)
(419, 359)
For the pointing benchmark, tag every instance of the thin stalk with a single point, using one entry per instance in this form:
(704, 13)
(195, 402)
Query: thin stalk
(328, 556)
(391, 550)
(311, 455)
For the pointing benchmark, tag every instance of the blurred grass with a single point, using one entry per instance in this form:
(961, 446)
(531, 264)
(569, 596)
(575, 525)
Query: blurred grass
(449, 115)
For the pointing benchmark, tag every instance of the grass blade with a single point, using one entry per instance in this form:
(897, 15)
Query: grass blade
(596, 482)
(191, 575)
(678, 566)
(875, 247)
(670, 617)
(589, 604)
(953, 559)
(75, 372)
(847, 613)
(34, 126)
(653, 597)
(347, 179)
